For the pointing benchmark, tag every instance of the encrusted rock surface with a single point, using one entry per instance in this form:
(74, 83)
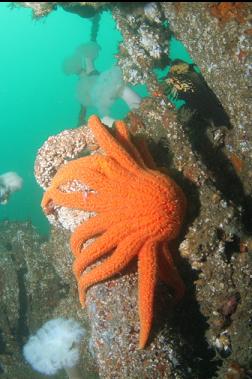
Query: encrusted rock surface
(217, 240)
(218, 37)
(85, 9)
(56, 151)
(59, 149)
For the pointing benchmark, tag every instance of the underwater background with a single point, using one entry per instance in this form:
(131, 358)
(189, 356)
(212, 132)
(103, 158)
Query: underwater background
(38, 99)
(206, 146)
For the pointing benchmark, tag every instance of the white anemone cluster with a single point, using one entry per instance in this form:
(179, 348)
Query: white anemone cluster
(55, 346)
(99, 90)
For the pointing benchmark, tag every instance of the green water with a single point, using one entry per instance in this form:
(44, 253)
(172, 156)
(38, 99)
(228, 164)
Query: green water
(37, 98)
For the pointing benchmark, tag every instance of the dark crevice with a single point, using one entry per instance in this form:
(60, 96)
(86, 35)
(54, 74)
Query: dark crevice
(186, 319)
(206, 124)
(2, 343)
(232, 245)
(226, 179)
(185, 331)
(193, 326)
(21, 331)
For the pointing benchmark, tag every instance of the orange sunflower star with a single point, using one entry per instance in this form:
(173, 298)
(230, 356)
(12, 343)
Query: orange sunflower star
(138, 210)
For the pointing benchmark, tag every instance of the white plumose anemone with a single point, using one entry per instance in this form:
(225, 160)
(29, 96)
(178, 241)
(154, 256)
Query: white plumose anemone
(106, 89)
(89, 51)
(130, 97)
(55, 346)
(84, 89)
(82, 59)
(110, 86)
(98, 90)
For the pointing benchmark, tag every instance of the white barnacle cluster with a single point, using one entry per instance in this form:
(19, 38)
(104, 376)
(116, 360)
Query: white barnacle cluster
(133, 70)
(143, 41)
(135, 50)
(152, 12)
(40, 9)
(150, 41)
(67, 218)
(131, 19)
(132, 73)
(244, 49)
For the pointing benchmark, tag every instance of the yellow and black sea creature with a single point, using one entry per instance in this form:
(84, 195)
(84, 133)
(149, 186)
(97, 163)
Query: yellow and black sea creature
(185, 82)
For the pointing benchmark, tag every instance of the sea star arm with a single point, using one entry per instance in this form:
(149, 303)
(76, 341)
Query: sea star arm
(119, 259)
(143, 149)
(97, 249)
(70, 200)
(111, 146)
(123, 136)
(94, 226)
(96, 171)
(168, 272)
(97, 225)
(97, 202)
(86, 170)
(115, 232)
(138, 148)
(147, 275)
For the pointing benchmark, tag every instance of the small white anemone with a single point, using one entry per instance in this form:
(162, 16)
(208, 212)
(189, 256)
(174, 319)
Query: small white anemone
(11, 181)
(152, 12)
(55, 346)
